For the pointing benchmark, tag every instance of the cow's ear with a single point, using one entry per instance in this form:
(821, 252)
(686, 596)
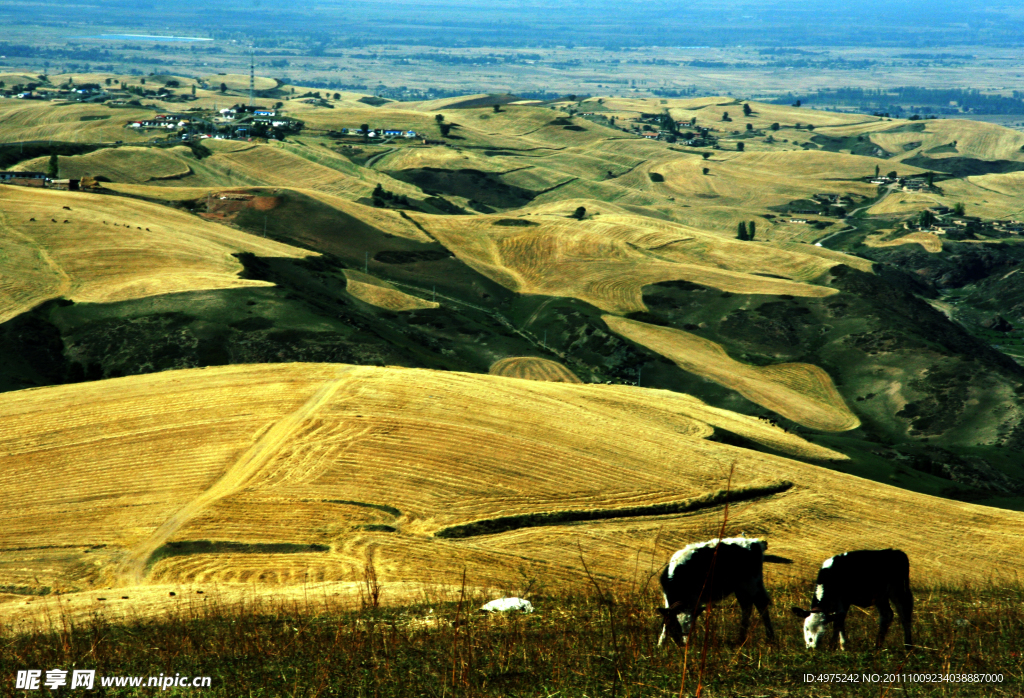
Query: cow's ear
(799, 612)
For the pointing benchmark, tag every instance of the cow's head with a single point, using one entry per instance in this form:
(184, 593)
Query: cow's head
(815, 622)
(671, 625)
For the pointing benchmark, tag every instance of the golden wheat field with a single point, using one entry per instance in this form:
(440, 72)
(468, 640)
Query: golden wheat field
(533, 368)
(803, 393)
(374, 291)
(189, 479)
(93, 248)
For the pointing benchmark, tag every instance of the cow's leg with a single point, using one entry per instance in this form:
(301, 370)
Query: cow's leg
(905, 607)
(762, 601)
(747, 606)
(885, 617)
(839, 630)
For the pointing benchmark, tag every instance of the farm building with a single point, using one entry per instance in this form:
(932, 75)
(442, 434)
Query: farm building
(24, 179)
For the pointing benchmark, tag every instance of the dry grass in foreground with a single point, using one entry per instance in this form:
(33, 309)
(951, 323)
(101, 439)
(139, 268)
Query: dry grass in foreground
(583, 641)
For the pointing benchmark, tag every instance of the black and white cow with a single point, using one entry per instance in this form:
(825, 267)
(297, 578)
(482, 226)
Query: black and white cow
(859, 578)
(711, 571)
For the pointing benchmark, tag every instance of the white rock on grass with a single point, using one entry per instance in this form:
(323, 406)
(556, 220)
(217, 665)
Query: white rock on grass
(507, 604)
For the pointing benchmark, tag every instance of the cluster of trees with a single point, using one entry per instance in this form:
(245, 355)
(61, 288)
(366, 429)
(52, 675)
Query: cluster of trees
(746, 231)
(897, 100)
(381, 197)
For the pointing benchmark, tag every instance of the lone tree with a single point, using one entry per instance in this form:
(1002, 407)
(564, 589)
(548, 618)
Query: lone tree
(931, 179)
(739, 146)
(53, 168)
(958, 209)
(750, 127)
(775, 126)
(725, 116)
(876, 171)
(439, 118)
(706, 170)
(579, 213)
(445, 129)
(746, 109)
(497, 108)
(751, 229)
(223, 88)
(741, 231)
(705, 155)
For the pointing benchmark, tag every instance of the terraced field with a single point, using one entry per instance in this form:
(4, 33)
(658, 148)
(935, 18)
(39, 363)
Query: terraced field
(800, 392)
(299, 476)
(79, 246)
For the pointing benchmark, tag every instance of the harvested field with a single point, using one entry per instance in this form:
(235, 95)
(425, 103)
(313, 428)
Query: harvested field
(801, 392)
(902, 203)
(128, 165)
(240, 83)
(442, 158)
(113, 249)
(22, 120)
(380, 293)
(929, 241)
(533, 368)
(283, 166)
(608, 264)
(330, 468)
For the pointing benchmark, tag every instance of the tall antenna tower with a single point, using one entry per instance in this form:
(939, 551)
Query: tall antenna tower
(252, 76)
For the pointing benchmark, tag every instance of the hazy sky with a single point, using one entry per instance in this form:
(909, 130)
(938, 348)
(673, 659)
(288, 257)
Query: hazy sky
(917, 23)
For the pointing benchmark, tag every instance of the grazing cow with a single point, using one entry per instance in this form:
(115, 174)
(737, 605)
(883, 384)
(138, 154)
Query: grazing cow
(711, 571)
(859, 578)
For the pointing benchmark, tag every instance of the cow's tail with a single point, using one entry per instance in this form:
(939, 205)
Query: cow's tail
(778, 560)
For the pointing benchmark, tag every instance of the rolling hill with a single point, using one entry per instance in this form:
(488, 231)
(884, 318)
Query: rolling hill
(308, 473)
